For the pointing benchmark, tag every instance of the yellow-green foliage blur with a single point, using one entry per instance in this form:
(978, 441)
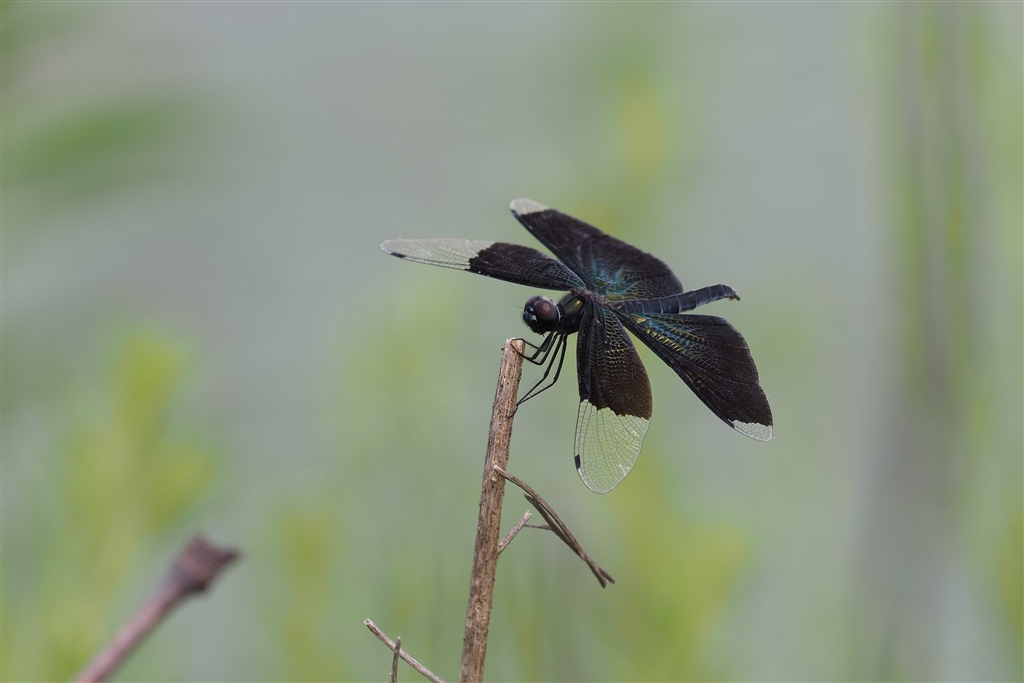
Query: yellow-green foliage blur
(200, 334)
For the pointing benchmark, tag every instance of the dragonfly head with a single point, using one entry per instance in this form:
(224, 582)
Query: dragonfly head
(541, 314)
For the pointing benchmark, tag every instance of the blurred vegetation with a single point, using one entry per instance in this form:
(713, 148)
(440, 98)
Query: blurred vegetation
(117, 484)
(104, 148)
(949, 133)
(124, 470)
(110, 141)
(681, 576)
(309, 539)
(401, 492)
(374, 516)
(1011, 568)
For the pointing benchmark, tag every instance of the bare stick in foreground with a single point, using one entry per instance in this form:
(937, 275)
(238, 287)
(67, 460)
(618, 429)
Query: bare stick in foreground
(396, 647)
(556, 525)
(197, 565)
(488, 528)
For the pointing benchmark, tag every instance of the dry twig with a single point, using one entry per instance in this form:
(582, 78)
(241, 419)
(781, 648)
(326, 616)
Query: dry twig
(515, 530)
(488, 529)
(397, 649)
(192, 572)
(394, 660)
(555, 524)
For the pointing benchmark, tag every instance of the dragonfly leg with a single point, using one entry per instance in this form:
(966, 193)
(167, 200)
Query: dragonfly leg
(540, 353)
(559, 351)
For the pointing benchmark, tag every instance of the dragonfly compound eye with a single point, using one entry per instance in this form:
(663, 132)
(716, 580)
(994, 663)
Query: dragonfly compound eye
(546, 310)
(540, 314)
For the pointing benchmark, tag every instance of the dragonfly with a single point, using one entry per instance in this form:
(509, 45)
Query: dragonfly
(612, 290)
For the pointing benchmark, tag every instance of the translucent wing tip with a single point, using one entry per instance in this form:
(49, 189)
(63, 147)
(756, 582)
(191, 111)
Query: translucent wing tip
(607, 446)
(753, 430)
(392, 247)
(522, 207)
(597, 487)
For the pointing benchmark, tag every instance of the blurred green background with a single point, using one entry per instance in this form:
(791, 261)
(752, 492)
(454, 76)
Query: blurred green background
(200, 333)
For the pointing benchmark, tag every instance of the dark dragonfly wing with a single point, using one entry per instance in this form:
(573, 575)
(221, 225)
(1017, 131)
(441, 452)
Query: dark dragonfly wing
(615, 401)
(609, 266)
(714, 361)
(501, 260)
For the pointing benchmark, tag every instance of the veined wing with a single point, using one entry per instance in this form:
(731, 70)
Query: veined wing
(501, 260)
(615, 401)
(609, 266)
(714, 361)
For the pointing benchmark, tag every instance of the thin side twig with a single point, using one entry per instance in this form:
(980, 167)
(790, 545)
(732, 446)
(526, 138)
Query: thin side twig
(556, 525)
(191, 573)
(488, 528)
(515, 530)
(394, 660)
(396, 648)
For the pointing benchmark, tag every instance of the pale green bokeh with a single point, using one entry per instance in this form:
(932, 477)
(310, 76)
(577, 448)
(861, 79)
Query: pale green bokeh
(115, 485)
(200, 334)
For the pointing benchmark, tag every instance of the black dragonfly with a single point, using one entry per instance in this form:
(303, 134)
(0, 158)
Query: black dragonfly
(613, 287)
